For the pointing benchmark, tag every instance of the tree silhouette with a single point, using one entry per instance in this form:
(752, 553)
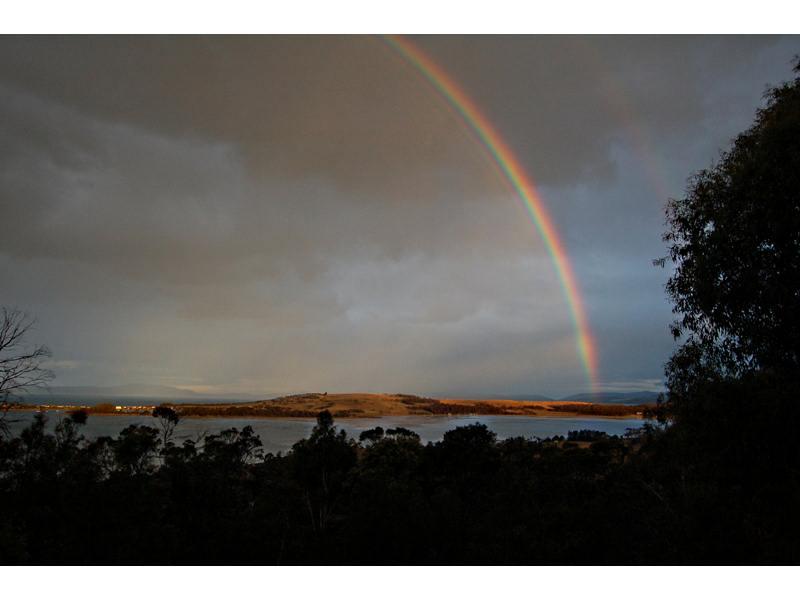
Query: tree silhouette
(320, 465)
(735, 242)
(400, 432)
(167, 420)
(233, 448)
(135, 449)
(21, 365)
(371, 435)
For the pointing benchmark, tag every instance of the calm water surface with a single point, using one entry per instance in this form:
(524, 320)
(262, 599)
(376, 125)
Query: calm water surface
(278, 435)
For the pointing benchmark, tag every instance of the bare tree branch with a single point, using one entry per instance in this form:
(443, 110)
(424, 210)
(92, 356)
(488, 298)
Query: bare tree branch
(21, 366)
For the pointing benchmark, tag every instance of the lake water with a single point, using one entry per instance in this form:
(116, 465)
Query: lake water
(278, 435)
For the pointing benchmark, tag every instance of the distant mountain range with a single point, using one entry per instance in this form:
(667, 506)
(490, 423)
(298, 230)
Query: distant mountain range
(518, 397)
(136, 390)
(641, 397)
(638, 397)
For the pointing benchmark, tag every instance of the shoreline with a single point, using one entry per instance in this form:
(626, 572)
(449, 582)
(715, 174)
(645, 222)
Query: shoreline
(542, 415)
(279, 409)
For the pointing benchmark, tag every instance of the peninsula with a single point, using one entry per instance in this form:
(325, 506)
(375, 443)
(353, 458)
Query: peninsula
(362, 405)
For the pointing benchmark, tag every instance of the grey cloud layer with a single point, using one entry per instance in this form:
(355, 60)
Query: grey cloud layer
(304, 213)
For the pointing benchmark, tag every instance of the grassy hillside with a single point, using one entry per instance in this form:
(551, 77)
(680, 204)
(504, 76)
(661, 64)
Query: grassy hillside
(380, 405)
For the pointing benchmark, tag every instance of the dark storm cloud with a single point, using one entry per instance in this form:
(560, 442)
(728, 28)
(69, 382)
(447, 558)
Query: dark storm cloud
(285, 213)
(561, 100)
(293, 104)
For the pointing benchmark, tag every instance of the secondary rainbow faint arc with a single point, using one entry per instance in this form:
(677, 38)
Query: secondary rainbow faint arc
(521, 183)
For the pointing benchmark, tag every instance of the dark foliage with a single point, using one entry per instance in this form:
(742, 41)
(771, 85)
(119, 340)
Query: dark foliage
(371, 435)
(167, 419)
(735, 242)
(586, 435)
(684, 494)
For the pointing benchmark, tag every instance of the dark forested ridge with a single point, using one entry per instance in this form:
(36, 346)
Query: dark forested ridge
(677, 495)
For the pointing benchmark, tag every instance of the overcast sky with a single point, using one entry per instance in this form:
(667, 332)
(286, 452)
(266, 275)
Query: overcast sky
(281, 214)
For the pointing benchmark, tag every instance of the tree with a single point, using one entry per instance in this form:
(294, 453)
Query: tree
(21, 366)
(135, 449)
(735, 242)
(320, 466)
(233, 448)
(324, 423)
(68, 439)
(402, 432)
(167, 420)
(371, 435)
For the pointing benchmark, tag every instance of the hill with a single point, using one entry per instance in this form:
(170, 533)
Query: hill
(382, 405)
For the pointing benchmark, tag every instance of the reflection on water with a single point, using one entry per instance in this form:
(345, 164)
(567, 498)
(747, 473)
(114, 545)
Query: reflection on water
(278, 435)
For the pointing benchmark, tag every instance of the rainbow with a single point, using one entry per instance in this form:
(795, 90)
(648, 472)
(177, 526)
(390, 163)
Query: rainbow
(515, 175)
